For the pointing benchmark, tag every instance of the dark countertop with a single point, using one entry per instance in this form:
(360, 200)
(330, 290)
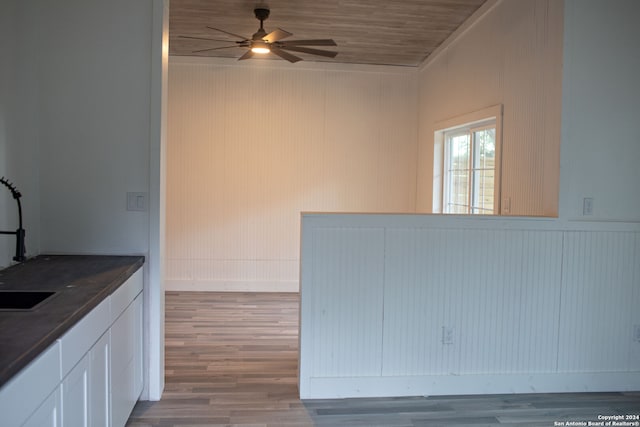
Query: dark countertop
(81, 283)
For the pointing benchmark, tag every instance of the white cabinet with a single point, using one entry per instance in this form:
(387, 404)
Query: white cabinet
(126, 362)
(78, 347)
(75, 395)
(85, 390)
(48, 414)
(32, 395)
(99, 382)
(91, 376)
(104, 378)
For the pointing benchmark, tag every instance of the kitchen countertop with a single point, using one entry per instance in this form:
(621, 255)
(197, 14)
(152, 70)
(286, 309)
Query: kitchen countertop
(81, 283)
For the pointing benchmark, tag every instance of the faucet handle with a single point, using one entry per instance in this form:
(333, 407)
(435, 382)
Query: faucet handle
(20, 249)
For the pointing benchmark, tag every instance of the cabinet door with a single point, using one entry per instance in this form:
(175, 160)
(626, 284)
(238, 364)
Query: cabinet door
(99, 404)
(126, 362)
(75, 395)
(85, 390)
(48, 414)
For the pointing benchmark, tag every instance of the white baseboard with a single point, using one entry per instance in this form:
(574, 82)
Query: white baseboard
(438, 385)
(231, 286)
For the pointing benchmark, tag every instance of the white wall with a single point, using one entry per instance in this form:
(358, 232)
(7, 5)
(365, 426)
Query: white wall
(252, 145)
(154, 292)
(18, 134)
(511, 56)
(80, 126)
(93, 74)
(600, 125)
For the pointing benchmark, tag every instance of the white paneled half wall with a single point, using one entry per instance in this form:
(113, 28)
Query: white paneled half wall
(404, 305)
(251, 147)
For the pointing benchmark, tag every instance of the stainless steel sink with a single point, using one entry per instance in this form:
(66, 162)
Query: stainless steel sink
(23, 300)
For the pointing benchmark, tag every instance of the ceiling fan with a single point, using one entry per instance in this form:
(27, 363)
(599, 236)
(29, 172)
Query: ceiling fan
(262, 43)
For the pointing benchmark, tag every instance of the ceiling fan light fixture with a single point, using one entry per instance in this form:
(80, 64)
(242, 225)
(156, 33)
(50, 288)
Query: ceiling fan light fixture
(260, 47)
(262, 43)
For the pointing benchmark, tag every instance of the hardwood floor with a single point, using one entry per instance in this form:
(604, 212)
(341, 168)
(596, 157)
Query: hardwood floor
(231, 360)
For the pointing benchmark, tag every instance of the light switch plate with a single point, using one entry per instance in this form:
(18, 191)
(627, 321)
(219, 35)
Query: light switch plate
(506, 205)
(137, 202)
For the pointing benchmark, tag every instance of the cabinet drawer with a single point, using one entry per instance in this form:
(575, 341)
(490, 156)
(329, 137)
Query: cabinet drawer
(21, 396)
(126, 293)
(79, 339)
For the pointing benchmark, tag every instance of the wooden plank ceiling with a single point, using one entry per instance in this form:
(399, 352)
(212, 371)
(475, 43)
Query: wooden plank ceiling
(389, 32)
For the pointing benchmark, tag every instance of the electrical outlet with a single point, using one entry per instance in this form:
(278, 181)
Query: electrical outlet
(587, 206)
(636, 333)
(447, 335)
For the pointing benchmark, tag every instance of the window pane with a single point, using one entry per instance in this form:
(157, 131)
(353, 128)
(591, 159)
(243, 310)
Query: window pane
(485, 148)
(458, 175)
(483, 194)
(483, 170)
(460, 152)
(459, 196)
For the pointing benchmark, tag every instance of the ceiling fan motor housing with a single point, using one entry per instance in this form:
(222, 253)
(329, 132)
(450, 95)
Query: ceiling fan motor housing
(261, 13)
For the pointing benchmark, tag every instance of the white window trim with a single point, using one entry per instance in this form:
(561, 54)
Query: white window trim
(469, 120)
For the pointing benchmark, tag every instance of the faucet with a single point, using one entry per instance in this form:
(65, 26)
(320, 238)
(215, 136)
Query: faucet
(20, 231)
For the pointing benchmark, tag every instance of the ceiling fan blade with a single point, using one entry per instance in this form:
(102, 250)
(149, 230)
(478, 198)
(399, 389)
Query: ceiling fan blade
(318, 42)
(319, 52)
(213, 48)
(227, 32)
(277, 34)
(284, 55)
(247, 55)
(203, 38)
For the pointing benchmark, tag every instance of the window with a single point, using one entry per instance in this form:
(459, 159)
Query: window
(469, 165)
(469, 173)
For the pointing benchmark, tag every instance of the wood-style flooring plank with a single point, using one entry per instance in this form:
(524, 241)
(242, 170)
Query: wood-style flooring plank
(231, 359)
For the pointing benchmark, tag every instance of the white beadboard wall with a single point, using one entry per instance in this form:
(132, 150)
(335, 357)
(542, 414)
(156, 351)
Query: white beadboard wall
(512, 56)
(600, 110)
(251, 146)
(535, 305)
